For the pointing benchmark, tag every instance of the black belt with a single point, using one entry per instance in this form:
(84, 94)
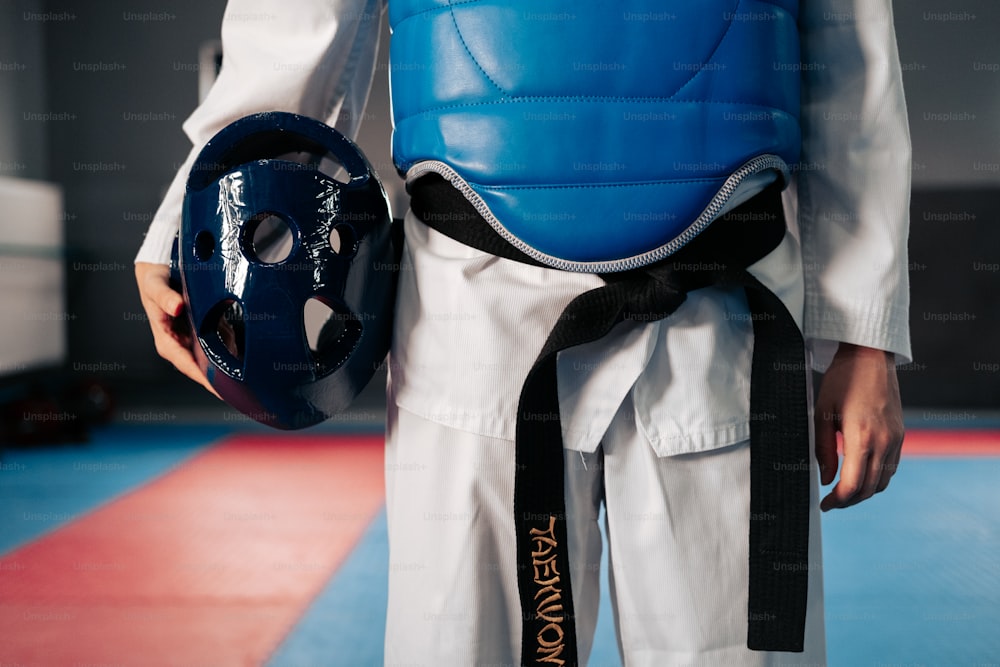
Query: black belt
(779, 443)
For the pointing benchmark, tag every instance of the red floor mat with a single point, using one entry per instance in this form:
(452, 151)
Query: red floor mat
(951, 443)
(211, 564)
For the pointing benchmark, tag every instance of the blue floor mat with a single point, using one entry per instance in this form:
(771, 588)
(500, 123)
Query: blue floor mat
(913, 575)
(45, 487)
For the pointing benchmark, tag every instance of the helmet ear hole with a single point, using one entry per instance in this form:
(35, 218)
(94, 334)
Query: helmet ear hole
(330, 166)
(204, 245)
(325, 163)
(268, 238)
(224, 330)
(344, 240)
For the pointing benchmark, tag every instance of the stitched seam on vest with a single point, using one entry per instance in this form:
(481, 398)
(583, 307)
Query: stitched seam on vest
(711, 55)
(598, 266)
(459, 3)
(458, 31)
(595, 98)
(507, 95)
(447, 7)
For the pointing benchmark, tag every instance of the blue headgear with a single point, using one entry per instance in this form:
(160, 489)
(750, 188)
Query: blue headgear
(246, 303)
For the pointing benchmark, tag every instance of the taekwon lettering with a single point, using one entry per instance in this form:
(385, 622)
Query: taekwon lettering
(548, 606)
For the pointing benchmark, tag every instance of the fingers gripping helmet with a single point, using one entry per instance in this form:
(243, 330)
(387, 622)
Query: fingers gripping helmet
(267, 232)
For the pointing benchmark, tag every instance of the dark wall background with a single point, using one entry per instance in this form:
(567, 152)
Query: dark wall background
(23, 145)
(114, 168)
(117, 78)
(951, 73)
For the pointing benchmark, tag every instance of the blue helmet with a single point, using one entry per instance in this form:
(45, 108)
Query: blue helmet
(288, 268)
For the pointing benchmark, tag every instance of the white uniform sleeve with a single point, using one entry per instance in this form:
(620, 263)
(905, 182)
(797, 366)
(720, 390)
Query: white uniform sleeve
(312, 57)
(853, 188)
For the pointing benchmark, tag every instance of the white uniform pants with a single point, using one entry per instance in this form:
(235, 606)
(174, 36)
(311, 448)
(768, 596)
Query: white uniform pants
(678, 530)
(678, 525)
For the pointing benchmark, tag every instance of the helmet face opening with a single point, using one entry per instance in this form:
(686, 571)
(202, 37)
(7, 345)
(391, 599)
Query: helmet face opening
(283, 268)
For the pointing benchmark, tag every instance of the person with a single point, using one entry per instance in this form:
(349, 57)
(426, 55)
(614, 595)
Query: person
(654, 415)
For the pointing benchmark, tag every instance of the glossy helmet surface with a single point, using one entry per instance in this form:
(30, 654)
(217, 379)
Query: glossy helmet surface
(269, 230)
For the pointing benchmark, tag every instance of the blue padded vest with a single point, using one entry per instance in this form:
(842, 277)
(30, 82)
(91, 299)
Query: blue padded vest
(596, 136)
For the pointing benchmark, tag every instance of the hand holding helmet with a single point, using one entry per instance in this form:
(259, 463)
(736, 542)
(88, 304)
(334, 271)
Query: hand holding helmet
(262, 178)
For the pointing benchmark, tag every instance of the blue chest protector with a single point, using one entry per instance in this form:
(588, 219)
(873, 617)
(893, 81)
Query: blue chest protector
(597, 136)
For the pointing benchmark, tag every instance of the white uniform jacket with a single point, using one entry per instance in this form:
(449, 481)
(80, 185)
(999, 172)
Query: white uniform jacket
(841, 270)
